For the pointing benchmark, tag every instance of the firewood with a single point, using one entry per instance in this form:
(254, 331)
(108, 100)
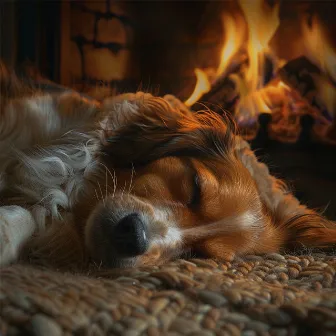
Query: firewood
(298, 74)
(305, 78)
(221, 96)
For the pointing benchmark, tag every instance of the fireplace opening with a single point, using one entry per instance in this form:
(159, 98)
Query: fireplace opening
(270, 64)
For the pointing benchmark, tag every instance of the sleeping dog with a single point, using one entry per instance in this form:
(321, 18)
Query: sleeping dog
(135, 180)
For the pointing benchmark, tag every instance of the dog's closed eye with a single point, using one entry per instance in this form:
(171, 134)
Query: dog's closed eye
(196, 192)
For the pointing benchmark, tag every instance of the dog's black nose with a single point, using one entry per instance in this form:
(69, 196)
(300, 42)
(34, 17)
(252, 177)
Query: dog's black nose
(130, 236)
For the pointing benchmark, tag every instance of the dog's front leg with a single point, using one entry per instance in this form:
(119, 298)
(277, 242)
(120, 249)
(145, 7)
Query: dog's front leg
(16, 226)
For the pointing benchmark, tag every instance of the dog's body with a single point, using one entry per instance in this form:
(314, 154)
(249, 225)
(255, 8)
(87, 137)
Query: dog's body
(135, 180)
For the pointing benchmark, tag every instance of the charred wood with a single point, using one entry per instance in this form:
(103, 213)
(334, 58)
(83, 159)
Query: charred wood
(306, 79)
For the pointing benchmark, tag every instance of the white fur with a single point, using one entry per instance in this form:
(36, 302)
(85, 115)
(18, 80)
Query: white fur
(43, 161)
(16, 226)
(236, 223)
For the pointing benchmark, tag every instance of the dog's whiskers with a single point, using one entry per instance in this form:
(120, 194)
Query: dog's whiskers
(106, 185)
(131, 181)
(107, 170)
(101, 193)
(115, 181)
(96, 195)
(123, 190)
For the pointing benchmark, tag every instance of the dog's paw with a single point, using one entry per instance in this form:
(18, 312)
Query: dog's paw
(16, 226)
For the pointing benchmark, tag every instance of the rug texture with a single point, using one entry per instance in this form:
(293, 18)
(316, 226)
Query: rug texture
(270, 295)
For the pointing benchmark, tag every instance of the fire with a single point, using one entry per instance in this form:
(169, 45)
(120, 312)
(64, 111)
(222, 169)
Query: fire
(262, 22)
(202, 86)
(327, 94)
(320, 51)
(318, 48)
(232, 43)
(234, 38)
(253, 74)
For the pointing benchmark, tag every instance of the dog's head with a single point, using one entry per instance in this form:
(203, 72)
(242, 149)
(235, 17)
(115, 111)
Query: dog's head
(173, 183)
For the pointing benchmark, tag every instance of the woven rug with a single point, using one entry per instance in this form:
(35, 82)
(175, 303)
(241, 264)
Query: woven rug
(270, 295)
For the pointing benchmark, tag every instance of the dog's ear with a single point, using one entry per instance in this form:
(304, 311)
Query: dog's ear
(301, 227)
(140, 128)
(130, 108)
(310, 230)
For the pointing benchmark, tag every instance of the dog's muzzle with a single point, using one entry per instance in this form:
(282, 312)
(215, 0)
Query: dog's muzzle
(128, 237)
(123, 230)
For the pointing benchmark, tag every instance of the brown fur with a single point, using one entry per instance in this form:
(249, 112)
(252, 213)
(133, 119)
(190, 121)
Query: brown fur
(152, 153)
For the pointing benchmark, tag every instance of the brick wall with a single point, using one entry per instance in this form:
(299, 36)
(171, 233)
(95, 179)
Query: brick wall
(152, 45)
(97, 50)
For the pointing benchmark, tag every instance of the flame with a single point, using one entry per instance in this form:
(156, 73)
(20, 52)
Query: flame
(234, 38)
(326, 94)
(265, 100)
(251, 38)
(281, 84)
(232, 43)
(202, 86)
(319, 49)
(262, 22)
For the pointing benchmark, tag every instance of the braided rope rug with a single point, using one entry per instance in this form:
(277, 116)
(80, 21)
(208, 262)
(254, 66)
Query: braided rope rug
(269, 295)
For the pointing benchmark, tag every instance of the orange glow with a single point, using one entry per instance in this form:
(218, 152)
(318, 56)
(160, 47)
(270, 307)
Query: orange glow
(281, 84)
(262, 23)
(320, 51)
(326, 93)
(234, 38)
(233, 41)
(202, 86)
(246, 43)
(318, 48)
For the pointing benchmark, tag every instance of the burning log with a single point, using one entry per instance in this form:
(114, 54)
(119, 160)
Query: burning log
(299, 75)
(222, 95)
(306, 79)
(268, 133)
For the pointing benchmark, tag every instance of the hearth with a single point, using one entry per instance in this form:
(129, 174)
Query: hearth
(270, 65)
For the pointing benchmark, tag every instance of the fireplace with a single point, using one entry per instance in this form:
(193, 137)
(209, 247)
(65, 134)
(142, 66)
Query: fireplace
(270, 64)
